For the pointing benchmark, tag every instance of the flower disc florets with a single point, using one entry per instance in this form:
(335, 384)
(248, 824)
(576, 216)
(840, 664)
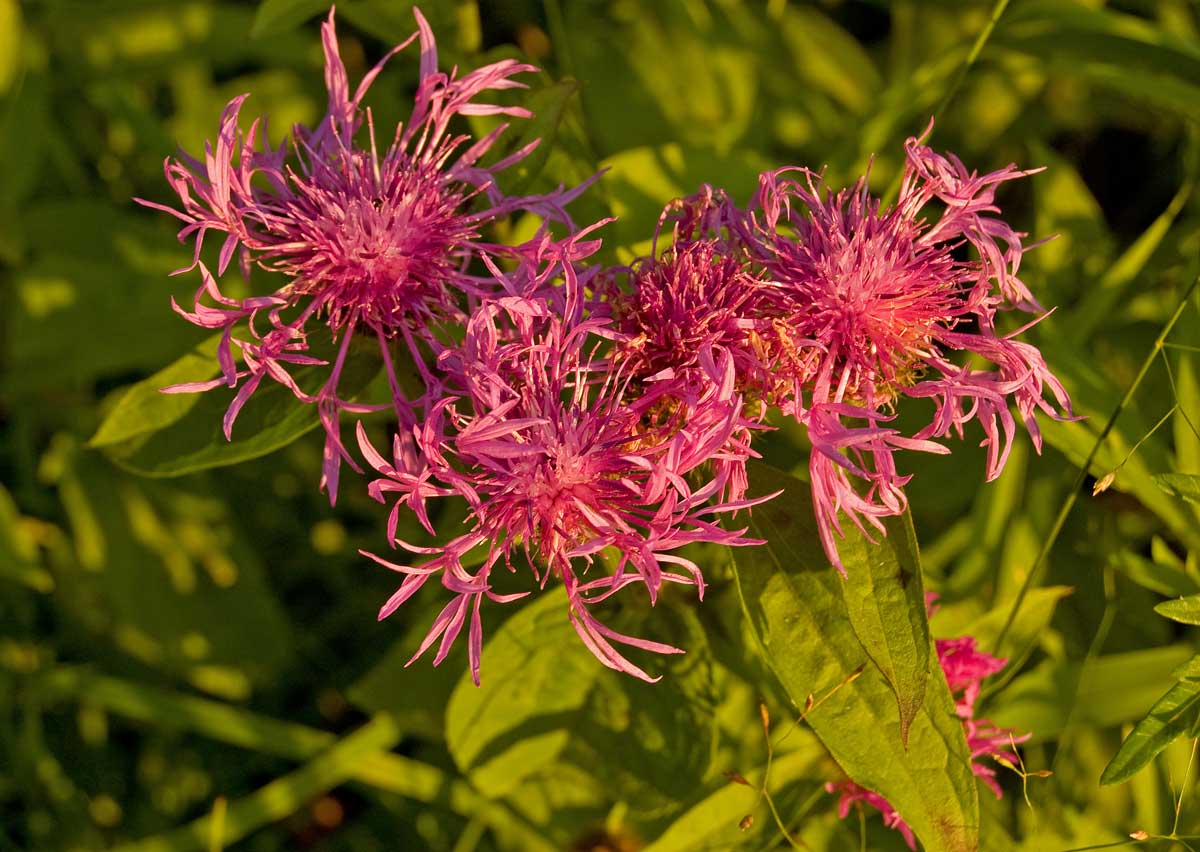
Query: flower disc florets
(377, 243)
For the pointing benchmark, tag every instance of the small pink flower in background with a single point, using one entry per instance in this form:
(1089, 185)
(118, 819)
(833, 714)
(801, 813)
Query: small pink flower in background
(850, 794)
(374, 241)
(965, 667)
(562, 471)
(885, 301)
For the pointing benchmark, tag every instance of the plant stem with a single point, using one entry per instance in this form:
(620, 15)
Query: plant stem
(1034, 575)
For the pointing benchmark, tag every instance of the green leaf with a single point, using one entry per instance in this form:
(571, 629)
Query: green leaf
(1119, 52)
(1184, 485)
(794, 600)
(162, 574)
(1065, 206)
(10, 43)
(144, 408)
(885, 599)
(712, 823)
(651, 743)
(1170, 717)
(548, 106)
(1098, 301)
(1031, 622)
(1095, 395)
(642, 180)
(1184, 610)
(536, 677)
(189, 437)
(1168, 580)
(683, 76)
(827, 58)
(276, 16)
(545, 700)
(19, 550)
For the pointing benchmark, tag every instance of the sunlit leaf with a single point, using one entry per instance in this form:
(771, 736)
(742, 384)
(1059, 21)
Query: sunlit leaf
(885, 599)
(794, 601)
(143, 408)
(1158, 577)
(190, 437)
(1043, 699)
(1184, 485)
(1119, 52)
(1184, 610)
(1169, 718)
(1031, 621)
(536, 677)
(713, 821)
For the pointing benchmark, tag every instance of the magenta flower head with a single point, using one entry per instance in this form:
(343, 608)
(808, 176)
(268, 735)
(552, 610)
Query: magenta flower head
(700, 295)
(887, 298)
(370, 241)
(561, 471)
(964, 666)
(699, 299)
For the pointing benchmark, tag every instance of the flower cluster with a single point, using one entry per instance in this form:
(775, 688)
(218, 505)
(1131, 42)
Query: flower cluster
(964, 666)
(834, 308)
(596, 421)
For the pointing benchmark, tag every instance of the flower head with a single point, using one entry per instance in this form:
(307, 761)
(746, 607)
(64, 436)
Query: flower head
(562, 470)
(378, 242)
(886, 297)
(698, 300)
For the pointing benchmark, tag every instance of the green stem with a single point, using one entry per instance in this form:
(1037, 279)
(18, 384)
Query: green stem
(976, 49)
(961, 75)
(1034, 575)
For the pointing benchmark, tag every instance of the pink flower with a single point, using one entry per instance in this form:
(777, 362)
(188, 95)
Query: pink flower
(559, 468)
(850, 793)
(885, 301)
(370, 241)
(699, 299)
(965, 667)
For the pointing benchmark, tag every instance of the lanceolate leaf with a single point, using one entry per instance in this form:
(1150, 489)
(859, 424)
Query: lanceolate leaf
(796, 605)
(1171, 716)
(143, 408)
(885, 599)
(540, 685)
(1184, 610)
(1183, 485)
(158, 434)
(537, 677)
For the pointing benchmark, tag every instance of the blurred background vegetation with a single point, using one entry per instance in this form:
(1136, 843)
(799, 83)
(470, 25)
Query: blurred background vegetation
(188, 661)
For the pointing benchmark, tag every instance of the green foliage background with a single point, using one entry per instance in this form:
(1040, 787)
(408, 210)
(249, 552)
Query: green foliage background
(189, 656)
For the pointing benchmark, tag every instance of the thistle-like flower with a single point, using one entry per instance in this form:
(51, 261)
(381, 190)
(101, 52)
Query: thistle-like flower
(885, 298)
(964, 666)
(700, 297)
(562, 471)
(378, 243)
